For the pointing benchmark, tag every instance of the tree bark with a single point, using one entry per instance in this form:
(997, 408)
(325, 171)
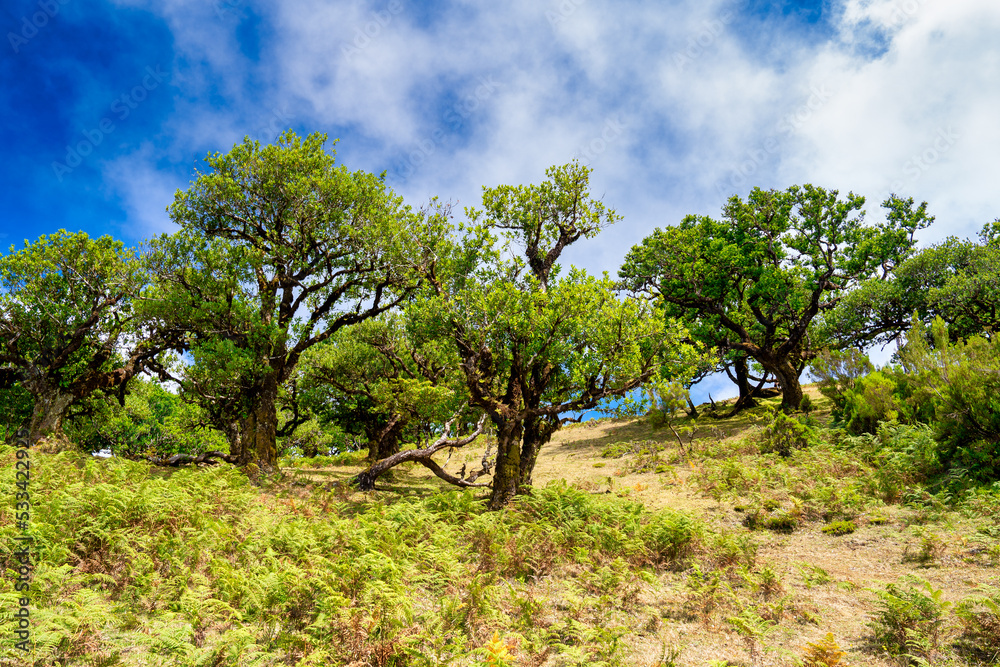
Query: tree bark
(537, 432)
(48, 413)
(791, 390)
(507, 477)
(741, 368)
(259, 438)
(384, 442)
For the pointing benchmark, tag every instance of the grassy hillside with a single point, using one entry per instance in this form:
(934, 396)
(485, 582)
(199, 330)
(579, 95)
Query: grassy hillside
(633, 550)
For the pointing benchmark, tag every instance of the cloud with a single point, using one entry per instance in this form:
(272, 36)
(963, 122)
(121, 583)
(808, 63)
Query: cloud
(144, 191)
(712, 98)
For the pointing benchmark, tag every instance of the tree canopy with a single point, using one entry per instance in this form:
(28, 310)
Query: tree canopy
(775, 262)
(279, 248)
(68, 326)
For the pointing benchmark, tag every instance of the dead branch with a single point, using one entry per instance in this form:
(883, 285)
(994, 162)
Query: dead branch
(366, 480)
(184, 459)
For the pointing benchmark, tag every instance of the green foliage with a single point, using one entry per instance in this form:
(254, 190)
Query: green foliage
(838, 371)
(785, 434)
(537, 343)
(961, 382)
(279, 248)
(66, 316)
(954, 280)
(15, 410)
(874, 398)
(979, 619)
(765, 272)
(900, 456)
(153, 422)
(909, 618)
(199, 567)
(838, 528)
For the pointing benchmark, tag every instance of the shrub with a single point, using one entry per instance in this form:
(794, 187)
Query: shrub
(785, 434)
(781, 523)
(961, 382)
(979, 619)
(875, 398)
(806, 404)
(909, 618)
(671, 537)
(838, 528)
(837, 372)
(824, 653)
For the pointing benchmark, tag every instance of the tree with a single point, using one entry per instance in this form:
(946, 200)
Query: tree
(773, 264)
(956, 280)
(67, 323)
(535, 345)
(278, 250)
(381, 376)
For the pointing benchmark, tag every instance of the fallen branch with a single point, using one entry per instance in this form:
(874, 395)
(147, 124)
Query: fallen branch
(184, 459)
(366, 480)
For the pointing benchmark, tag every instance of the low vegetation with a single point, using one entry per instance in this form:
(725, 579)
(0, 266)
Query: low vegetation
(721, 554)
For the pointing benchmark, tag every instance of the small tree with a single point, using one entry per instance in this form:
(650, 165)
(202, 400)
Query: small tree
(777, 261)
(383, 377)
(68, 327)
(535, 345)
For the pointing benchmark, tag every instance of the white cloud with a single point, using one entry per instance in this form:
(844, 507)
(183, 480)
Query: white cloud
(712, 103)
(145, 192)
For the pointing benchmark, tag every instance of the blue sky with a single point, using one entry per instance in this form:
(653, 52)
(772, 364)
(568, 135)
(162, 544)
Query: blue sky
(106, 107)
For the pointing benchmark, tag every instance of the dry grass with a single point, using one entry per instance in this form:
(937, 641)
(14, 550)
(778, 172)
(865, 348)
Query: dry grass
(824, 581)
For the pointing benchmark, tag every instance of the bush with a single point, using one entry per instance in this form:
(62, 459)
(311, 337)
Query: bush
(838, 371)
(785, 434)
(875, 398)
(979, 619)
(838, 528)
(961, 383)
(909, 620)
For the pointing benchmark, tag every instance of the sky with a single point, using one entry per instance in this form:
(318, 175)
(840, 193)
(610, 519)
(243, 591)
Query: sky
(107, 108)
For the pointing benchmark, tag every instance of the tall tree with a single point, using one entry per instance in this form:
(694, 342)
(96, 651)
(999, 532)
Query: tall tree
(535, 345)
(279, 249)
(956, 280)
(67, 323)
(774, 263)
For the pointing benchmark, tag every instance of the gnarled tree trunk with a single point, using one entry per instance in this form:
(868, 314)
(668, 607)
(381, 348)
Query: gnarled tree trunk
(384, 442)
(537, 432)
(788, 378)
(48, 414)
(507, 477)
(259, 437)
